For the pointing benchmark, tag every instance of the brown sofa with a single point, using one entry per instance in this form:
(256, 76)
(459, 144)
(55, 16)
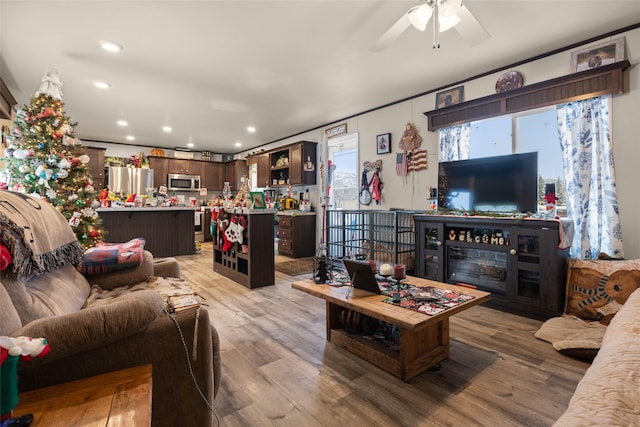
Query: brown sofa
(120, 332)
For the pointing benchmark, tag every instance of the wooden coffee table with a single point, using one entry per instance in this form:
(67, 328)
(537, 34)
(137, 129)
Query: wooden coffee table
(424, 339)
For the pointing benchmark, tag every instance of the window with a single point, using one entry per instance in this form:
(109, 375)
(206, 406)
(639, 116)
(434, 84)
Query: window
(535, 130)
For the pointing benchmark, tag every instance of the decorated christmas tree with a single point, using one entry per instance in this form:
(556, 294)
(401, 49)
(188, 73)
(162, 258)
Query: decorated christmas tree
(45, 159)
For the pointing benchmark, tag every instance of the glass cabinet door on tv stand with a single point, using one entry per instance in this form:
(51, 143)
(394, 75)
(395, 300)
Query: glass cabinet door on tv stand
(430, 261)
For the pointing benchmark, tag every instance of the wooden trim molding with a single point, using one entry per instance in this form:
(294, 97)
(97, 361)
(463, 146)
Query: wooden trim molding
(608, 79)
(7, 101)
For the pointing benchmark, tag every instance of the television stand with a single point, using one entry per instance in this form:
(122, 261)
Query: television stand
(517, 260)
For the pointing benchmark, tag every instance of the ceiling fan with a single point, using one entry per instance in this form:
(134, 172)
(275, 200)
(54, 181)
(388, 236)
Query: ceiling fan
(446, 14)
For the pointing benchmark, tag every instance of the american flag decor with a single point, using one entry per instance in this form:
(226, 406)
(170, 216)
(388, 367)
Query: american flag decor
(418, 160)
(401, 164)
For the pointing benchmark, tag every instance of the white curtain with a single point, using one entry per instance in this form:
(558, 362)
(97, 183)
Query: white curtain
(455, 142)
(585, 141)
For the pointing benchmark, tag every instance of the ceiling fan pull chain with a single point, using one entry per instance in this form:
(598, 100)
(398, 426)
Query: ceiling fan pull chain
(436, 25)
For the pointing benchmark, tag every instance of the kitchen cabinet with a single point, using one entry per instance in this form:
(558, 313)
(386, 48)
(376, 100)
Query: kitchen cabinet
(212, 175)
(160, 166)
(184, 166)
(297, 234)
(96, 165)
(294, 164)
(264, 170)
(517, 260)
(234, 171)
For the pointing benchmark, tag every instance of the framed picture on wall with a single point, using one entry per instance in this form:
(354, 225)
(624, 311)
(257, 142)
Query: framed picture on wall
(597, 55)
(383, 143)
(449, 97)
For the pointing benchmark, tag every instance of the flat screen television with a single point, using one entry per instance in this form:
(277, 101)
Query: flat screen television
(490, 184)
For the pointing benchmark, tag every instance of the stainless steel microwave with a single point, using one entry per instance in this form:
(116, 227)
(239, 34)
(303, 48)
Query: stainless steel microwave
(180, 182)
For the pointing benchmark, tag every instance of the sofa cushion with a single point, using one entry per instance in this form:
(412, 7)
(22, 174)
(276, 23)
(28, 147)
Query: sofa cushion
(573, 336)
(55, 293)
(9, 318)
(596, 289)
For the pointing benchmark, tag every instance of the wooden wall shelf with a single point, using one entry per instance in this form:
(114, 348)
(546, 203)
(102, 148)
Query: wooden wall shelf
(608, 79)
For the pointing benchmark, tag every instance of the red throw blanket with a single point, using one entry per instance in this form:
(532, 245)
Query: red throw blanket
(108, 257)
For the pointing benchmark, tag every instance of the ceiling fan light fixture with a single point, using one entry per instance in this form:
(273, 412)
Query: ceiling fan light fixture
(448, 22)
(419, 16)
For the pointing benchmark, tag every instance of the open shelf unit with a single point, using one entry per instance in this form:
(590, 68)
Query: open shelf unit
(255, 268)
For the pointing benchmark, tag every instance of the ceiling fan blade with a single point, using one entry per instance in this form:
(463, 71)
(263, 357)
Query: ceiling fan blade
(469, 28)
(392, 33)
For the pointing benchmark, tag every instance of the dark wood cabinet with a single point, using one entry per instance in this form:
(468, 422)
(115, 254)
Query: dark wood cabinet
(517, 260)
(96, 165)
(264, 170)
(184, 166)
(211, 175)
(293, 164)
(255, 268)
(234, 171)
(297, 235)
(160, 166)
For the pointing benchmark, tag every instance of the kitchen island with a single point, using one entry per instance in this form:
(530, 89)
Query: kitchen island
(168, 231)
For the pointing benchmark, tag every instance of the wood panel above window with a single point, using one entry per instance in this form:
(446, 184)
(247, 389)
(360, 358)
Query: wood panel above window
(608, 79)
(7, 101)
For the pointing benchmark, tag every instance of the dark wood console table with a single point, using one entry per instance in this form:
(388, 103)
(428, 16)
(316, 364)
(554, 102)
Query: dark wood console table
(517, 260)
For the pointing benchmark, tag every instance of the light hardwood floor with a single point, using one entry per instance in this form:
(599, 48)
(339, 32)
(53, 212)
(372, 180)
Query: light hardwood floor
(279, 370)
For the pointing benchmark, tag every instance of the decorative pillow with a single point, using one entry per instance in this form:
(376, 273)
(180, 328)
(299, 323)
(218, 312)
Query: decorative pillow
(596, 289)
(108, 257)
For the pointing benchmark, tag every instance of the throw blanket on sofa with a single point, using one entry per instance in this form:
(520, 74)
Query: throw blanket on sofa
(39, 238)
(108, 257)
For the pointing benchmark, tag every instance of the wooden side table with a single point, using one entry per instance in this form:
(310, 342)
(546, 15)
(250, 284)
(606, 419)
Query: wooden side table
(120, 398)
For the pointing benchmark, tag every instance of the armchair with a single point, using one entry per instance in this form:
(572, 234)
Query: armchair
(88, 339)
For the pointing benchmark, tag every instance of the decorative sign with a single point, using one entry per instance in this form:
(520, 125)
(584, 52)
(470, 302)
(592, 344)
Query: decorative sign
(336, 130)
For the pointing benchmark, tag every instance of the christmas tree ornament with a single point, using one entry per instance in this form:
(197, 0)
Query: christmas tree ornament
(51, 84)
(79, 203)
(84, 159)
(73, 197)
(89, 189)
(20, 154)
(62, 174)
(94, 233)
(64, 163)
(74, 221)
(30, 178)
(52, 160)
(24, 168)
(41, 145)
(44, 173)
(51, 193)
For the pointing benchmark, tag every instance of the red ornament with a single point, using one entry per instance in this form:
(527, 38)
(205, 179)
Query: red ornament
(94, 234)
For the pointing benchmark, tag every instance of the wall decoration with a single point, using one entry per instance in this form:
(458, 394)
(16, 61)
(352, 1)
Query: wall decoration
(597, 55)
(509, 81)
(336, 130)
(383, 143)
(449, 97)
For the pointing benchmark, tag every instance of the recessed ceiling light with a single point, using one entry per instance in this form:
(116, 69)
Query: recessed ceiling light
(110, 46)
(131, 138)
(238, 144)
(122, 123)
(167, 128)
(251, 129)
(102, 85)
(190, 144)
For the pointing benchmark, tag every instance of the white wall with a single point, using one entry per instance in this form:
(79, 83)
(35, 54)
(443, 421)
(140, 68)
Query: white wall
(413, 193)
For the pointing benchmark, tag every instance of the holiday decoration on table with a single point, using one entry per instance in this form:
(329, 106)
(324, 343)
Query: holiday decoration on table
(45, 159)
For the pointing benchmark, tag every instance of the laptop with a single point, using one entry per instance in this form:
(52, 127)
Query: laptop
(362, 276)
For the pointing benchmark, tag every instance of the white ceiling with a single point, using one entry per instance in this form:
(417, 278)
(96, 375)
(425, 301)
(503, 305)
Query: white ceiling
(211, 68)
